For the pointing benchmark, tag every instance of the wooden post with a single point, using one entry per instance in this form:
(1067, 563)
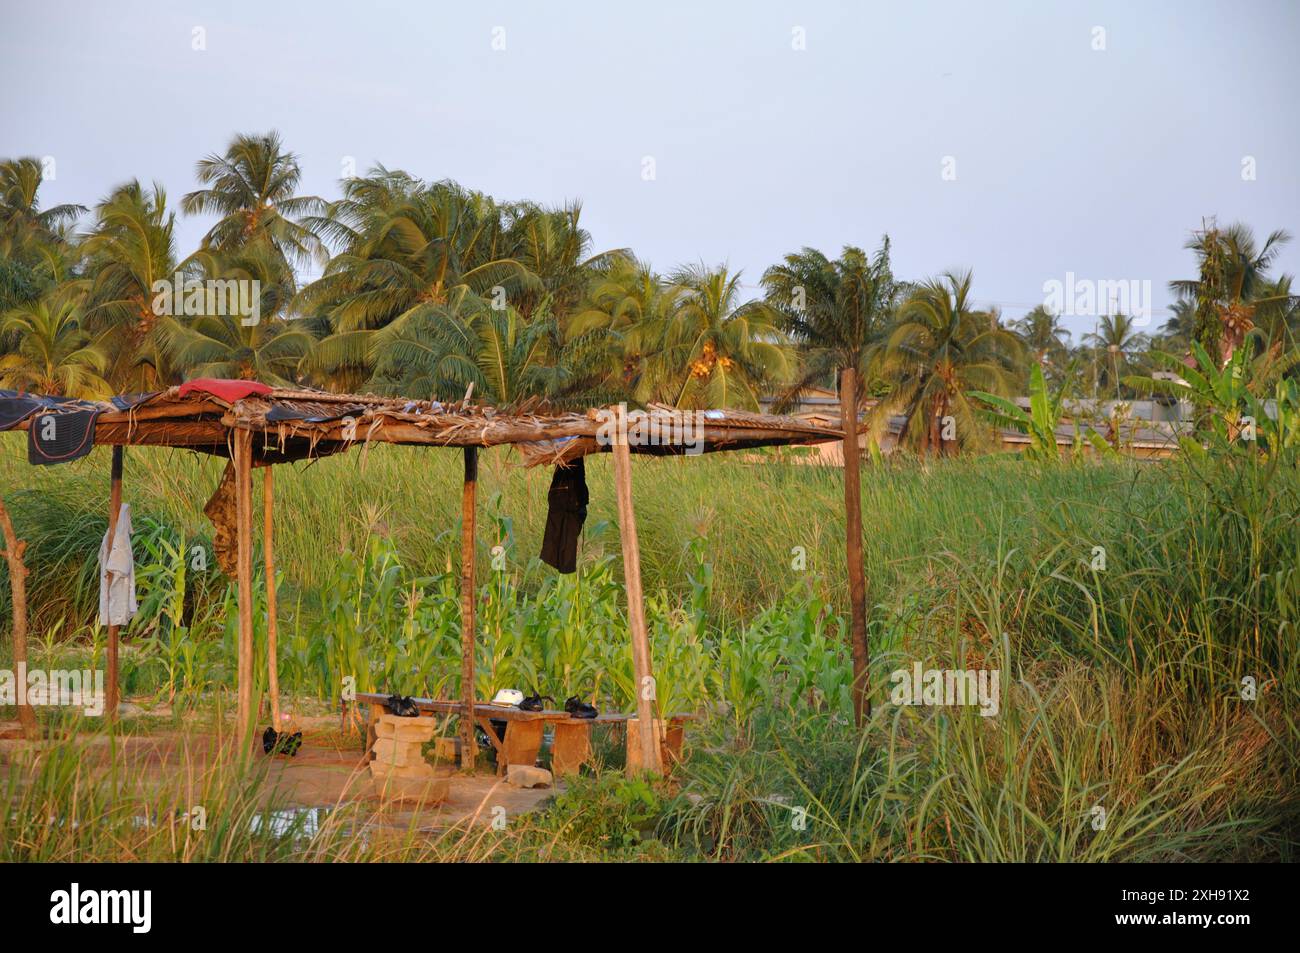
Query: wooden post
(243, 453)
(268, 552)
(13, 553)
(468, 748)
(651, 760)
(114, 507)
(853, 519)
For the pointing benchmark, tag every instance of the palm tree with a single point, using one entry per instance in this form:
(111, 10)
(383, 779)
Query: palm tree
(1277, 314)
(223, 344)
(937, 354)
(252, 187)
(712, 350)
(1178, 331)
(836, 312)
(1045, 338)
(1232, 284)
(552, 244)
(508, 358)
(407, 249)
(1116, 341)
(24, 225)
(55, 355)
(625, 304)
(129, 248)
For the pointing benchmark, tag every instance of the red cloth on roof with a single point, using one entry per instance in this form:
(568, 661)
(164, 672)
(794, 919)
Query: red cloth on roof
(227, 390)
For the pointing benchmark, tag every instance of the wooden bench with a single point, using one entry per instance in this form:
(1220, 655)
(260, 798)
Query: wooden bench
(570, 748)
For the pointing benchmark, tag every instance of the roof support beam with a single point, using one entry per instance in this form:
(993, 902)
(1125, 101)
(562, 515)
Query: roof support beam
(268, 553)
(468, 642)
(243, 457)
(644, 687)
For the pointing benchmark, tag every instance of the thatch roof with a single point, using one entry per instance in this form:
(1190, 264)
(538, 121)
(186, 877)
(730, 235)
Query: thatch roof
(296, 424)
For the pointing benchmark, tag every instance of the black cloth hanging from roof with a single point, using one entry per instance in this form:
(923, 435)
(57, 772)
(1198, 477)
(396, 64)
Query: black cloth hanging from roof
(568, 500)
(61, 437)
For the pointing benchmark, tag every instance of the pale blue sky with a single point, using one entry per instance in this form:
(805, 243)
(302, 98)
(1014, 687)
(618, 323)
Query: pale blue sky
(1067, 158)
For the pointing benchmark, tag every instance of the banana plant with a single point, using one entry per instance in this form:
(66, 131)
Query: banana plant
(1039, 423)
(1232, 399)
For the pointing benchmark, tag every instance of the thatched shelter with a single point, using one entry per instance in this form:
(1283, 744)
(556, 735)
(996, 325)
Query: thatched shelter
(256, 426)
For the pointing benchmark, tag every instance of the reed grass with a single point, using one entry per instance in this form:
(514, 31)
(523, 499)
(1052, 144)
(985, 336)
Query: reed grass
(1124, 679)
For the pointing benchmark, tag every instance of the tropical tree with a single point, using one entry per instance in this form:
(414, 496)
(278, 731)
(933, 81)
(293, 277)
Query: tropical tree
(1115, 344)
(626, 304)
(940, 351)
(223, 342)
(406, 250)
(253, 188)
(1177, 332)
(129, 248)
(26, 228)
(1277, 314)
(55, 355)
(509, 359)
(553, 246)
(1232, 397)
(1231, 286)
(712, 349)
(837, 313)
(1045, 338)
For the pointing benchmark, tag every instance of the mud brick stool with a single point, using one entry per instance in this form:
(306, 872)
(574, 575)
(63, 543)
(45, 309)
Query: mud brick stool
(398, 768)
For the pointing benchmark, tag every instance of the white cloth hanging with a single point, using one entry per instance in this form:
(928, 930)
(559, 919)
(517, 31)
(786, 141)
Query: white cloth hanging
(117, 605)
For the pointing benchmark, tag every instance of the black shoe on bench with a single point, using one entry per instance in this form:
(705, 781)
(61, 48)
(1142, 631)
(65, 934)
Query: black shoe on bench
(578, 708)
(402, 706)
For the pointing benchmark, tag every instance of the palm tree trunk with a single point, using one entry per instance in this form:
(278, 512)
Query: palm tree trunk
(944, 407)
(853, 518)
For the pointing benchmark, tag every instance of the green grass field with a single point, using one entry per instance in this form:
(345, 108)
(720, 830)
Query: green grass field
(1122, 605)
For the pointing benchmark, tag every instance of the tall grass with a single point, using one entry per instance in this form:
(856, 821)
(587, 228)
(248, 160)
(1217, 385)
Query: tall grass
(1130, 611)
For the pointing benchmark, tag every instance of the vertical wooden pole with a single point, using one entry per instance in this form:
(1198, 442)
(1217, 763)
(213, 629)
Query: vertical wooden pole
(268, 551)
(468, 748)
(114, 507)
(651, 759)
(243, 451)
(13, 553)
(853, 548)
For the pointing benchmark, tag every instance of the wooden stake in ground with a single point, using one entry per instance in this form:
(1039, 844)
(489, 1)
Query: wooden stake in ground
(243, 454)
(114, 508)
(268, 552)
(853, 519)
(13, 553)
(468, 748)
(641, 664)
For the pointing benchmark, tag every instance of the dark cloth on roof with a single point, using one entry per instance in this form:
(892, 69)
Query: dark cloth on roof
(61, 436)
(16, 407)
(125, 402)
(568, 499)
(228, 390)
